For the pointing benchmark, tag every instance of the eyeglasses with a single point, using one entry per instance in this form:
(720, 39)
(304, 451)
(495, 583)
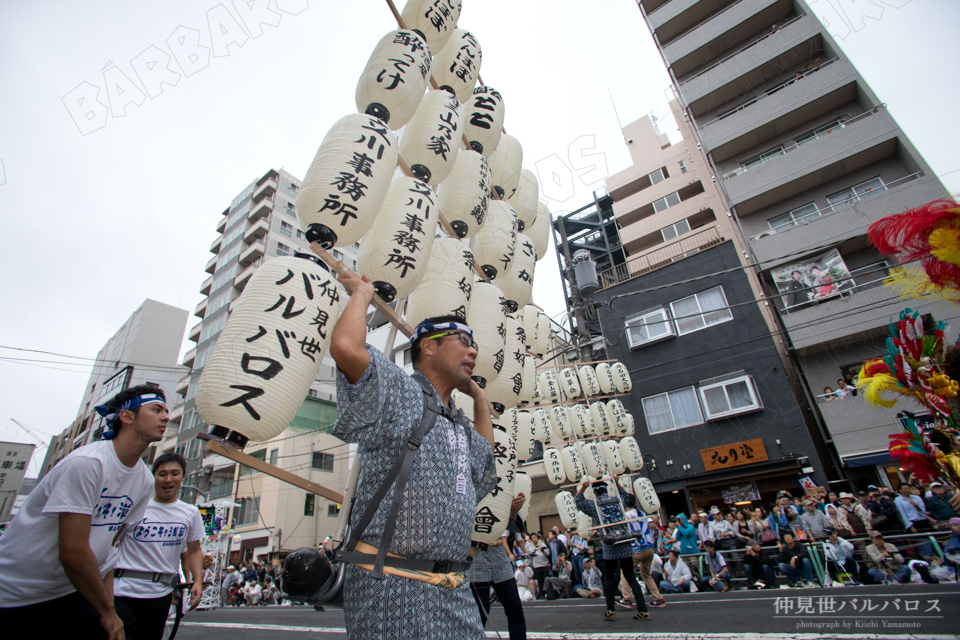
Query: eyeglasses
(461, 336)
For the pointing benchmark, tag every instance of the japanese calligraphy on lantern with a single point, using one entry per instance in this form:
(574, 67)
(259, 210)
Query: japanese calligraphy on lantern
(393, 81)
(734, 455)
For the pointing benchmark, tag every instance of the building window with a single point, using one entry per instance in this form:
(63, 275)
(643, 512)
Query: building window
(683, 167)
(701, 310)
(672, 410)
(299, 234)
(856, 193)
(286, 229)
(664, 203)
(282, 249)
(291, 209)
(800, 215)
(293, 187)
(333, 510)
(730, 397)
(311, 393)
(248, 512)
(322, 461)
(308, 504)
(336, 254)
(191, 391)
(820, 131)
(657, 176)
(674, 230)
(649, 326)
(274, 454)
(763, 157)
(259, 455)
(221, 484)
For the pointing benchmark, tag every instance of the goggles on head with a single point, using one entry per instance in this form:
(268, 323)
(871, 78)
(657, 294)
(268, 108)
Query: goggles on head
(130, 405)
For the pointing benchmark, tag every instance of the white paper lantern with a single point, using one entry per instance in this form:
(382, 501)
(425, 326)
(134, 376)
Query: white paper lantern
(531, 316)
(626, 483)
(431, 142)
(493, 511)
(621, 377)
(560, 421)
(549, 387)
(488, 319)
(505, 164)
(553, 464)
(504, 392)
(593, 459)
(601, 418)
(494, 245)
(630, 428)
(573, 463)
(588, 492)
(584, 522)
(457, 67)
(537, 395)
(463, 195)
(522, 484)
(510, 421)
(392, 83)
(614, 457)
(525, 440)
(542, 345)
(611, 486)
(541, 426)
(582, 421)
(529, 379)
(517, 282)
(619, 416)
(447, 284)
(647, 498)
(485, 113)
(588, 381)
(465, 403)
(567, 507)
(630, 451)
(270, 352)
(539, 231)
(524, 199)
(347, 181)
(570, 382)
(436, 21)
(605, 378)
(395, 252)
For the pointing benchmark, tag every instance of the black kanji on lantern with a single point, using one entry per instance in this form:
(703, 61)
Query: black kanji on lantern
(321, 322)
(465, 287)
(408, 241)
(250, 394)
(362, 164)
(498, 360)
(403, 262)
(413, 223)
(349, 184)
(337, 208)
(288, 312)
(271, 369)
(485, 520)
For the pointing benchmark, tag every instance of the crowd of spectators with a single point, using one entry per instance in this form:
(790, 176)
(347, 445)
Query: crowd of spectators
(254, 583)
(857, 539)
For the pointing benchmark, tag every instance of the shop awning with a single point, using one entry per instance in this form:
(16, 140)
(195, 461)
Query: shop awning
(868, 459)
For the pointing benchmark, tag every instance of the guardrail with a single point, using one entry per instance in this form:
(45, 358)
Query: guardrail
(701, 23)
(661, 256)
(766, 94)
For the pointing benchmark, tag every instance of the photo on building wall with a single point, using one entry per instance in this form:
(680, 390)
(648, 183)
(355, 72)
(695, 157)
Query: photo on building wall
(813, 279)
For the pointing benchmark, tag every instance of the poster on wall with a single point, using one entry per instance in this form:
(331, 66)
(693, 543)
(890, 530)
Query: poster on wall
(745, 492)
(811, 280)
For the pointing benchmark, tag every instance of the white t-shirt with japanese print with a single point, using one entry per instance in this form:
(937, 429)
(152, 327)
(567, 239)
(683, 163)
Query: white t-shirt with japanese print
(154, 545)
(92, 481)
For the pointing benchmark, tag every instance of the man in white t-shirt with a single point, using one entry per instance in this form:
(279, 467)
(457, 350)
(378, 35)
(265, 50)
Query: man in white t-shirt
(151, 551)
(57, 556)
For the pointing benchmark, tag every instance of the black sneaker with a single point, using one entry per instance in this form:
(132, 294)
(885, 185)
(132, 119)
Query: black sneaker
(643, 615)
(658, 603)
(610, 615)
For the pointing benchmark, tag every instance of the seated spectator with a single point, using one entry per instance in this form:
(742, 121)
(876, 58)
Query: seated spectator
(839, 555)
(592, 580)
(271, 595)
(235, 595)
(793, 557)
(837, 520)
(889, 561)
(252, 593)
(719, 575)
(677, 573)
(560, 581)
(952, 549)
(758, 567)
(526, 585)
(938, 504)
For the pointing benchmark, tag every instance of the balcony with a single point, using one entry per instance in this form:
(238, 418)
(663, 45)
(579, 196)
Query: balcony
(720, 31)
(844, 220)
(211, 265)
(257, 231)
(205, 287)
(201, 309)
(183, 384)
(662, 256)
(262, 209)
(222, 225)
(678, 16)
(781, 47)
(265, 190)
(640, 204)
(177, 412)
(215, 245)
(780, 109)
(244, 276)
(189, 357)
(858, 428)
(194, 335)
(854, 144)
(253, 252)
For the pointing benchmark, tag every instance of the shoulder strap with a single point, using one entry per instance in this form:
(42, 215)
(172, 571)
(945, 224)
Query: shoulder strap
(398, 475)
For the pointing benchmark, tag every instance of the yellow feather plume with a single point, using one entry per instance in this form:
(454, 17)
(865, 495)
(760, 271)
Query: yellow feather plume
(945, 244)
(914, 283)
(874, 387)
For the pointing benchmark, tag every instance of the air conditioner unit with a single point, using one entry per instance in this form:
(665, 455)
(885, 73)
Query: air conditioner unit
(769, 232)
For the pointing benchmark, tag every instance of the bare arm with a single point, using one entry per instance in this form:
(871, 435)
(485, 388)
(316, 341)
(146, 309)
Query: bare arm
(81, 567)
(194, 557)
(348, 342)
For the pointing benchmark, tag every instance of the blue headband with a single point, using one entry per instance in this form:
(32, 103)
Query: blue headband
(426, 327)
(130, 405)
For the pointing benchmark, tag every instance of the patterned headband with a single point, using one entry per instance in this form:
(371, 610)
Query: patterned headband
(426, 327)
(130, 405)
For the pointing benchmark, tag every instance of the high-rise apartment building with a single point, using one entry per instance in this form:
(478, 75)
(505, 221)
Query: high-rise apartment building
(143, 351)
(807, 157)
(260, 224)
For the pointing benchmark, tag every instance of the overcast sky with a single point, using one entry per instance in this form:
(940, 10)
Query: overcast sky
(98, 220)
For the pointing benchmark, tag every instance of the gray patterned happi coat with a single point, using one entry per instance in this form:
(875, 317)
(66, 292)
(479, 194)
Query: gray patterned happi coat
(453, 469)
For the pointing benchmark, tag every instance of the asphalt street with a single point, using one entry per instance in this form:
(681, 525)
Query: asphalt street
(914, 611)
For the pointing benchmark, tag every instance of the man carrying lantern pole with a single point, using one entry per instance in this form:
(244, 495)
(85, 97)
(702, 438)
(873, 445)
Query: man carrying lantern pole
(423, 470)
